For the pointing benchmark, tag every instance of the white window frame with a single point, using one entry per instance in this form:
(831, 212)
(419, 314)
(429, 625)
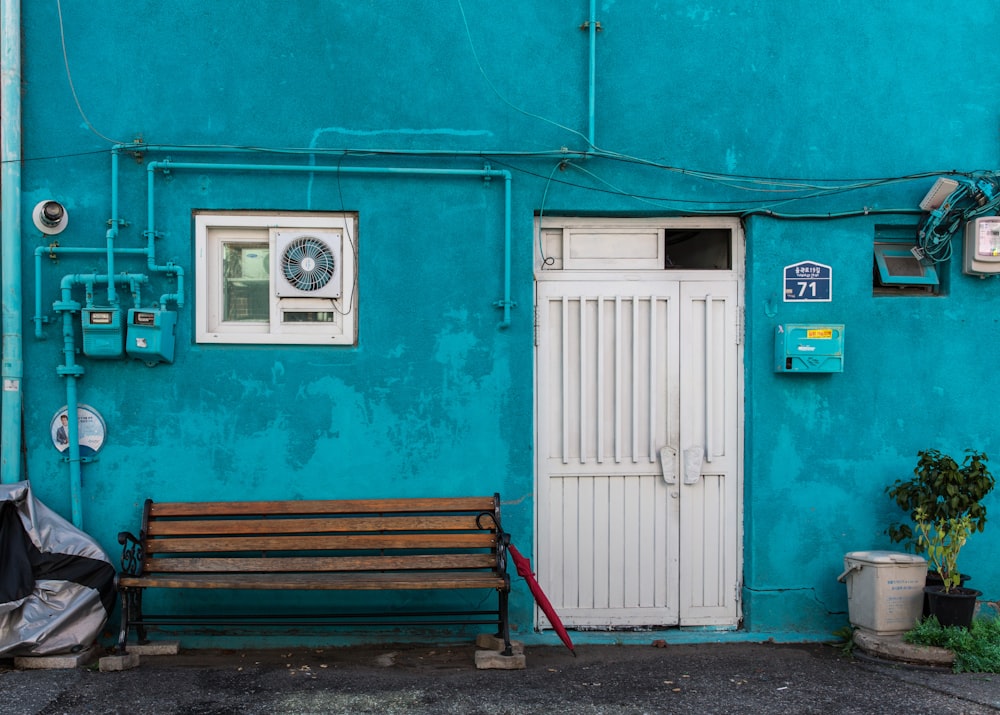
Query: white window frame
(213, 230)
(630, 244)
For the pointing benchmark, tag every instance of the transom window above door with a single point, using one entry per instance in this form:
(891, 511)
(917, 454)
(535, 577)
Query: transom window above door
(677, 244)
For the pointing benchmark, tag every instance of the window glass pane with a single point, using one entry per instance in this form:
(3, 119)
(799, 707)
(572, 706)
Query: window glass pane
(246, 288)
(699, 249)
(310, 316)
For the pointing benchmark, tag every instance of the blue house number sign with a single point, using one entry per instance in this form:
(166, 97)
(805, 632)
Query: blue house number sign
(808, 281)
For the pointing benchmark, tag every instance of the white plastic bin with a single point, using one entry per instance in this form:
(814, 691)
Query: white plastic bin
(885, 590)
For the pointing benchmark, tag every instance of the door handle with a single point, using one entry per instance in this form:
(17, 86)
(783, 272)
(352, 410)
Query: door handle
(693, 458)
(668, 464)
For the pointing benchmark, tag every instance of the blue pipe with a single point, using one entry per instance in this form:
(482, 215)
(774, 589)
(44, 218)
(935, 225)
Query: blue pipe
(485, 173)
(112, 234)
(169, 267)
(11, 403)
(507, 303)
(47, 250)
(592, 90)
(72, 372)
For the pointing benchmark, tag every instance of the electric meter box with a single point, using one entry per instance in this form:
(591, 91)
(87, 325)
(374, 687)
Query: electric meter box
(982, 246)
(885, 590)
(102, 332)
(151, 335)
(809, 348)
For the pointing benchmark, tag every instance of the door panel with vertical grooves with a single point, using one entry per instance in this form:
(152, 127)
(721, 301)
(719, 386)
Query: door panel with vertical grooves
(709, 515)
(608, 388)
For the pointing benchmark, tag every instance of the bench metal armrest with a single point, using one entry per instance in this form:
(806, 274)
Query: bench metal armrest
(132, 553)
(503, 539)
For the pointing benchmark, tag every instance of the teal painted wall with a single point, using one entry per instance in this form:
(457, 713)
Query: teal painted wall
(435, 398)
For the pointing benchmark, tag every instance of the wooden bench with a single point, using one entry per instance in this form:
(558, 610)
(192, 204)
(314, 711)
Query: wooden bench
(330, 545)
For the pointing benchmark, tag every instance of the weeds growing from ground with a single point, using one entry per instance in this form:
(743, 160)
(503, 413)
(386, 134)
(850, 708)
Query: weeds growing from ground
(976, 649)
(845, 640)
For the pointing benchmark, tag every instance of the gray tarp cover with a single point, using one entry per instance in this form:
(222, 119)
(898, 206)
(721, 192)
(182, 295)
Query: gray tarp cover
(57, 586)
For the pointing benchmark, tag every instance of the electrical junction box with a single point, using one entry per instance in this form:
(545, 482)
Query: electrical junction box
(151, 335)
(102, 332)
(982, 246)
(809, 348)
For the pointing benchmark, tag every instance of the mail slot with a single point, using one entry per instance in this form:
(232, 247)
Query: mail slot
(809, 348)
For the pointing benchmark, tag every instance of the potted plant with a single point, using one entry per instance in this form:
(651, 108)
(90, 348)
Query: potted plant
(951, 603)
(944, 501)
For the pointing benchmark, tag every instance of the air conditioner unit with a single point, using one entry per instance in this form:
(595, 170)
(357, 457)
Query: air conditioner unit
(307, 264)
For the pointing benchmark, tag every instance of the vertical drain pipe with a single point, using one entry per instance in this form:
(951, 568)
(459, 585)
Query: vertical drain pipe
(592, 77)
(112, 233)
(10, 242)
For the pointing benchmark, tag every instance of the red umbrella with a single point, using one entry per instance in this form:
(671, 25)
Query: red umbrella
(524, 570)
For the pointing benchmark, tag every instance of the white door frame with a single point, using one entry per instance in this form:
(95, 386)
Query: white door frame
(641, 242)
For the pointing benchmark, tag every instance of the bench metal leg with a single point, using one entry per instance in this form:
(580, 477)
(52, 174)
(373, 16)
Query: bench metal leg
(126, 598)
(140, 626)
(504, 624)
(131, 606)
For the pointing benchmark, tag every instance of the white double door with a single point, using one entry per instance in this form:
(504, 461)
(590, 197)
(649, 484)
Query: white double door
(638, 451)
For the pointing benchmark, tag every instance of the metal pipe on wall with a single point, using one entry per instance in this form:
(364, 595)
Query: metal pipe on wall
(592, 75)
(486, 173)
(73, 371)
(12, 369)
(60, 250)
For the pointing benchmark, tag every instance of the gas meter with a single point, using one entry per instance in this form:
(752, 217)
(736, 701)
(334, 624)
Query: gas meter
(102, 332)
(151, 335)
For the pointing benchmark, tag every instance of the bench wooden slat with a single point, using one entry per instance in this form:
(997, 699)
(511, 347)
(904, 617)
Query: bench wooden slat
(177, 564)
(343, 506)
(481, 540)
(192, 527)
(350, 545)
(320, 581)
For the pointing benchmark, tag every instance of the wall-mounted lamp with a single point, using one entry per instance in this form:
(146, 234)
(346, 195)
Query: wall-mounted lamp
(50, 217)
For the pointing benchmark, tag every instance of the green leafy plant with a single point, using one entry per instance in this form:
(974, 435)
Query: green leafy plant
(845, 640)
(976, 649)
(940, 492)
(942, 541)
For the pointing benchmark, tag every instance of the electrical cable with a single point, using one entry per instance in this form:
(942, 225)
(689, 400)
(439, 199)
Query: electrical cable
(350, 304)
(546, 260)
(53, 157)
(730, 207)
(974, 196)
(69, 77)
(489, 83)
(734, 181)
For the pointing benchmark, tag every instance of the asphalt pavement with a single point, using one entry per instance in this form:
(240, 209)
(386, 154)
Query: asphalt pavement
(421, 679)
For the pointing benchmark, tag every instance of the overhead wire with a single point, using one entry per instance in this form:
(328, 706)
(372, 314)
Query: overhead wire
(546, 260)
(489, 83)
(803, 188)
(69, 78)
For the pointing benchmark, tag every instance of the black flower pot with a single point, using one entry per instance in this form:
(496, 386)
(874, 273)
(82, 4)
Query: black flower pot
(952, 608)
(934, 579)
